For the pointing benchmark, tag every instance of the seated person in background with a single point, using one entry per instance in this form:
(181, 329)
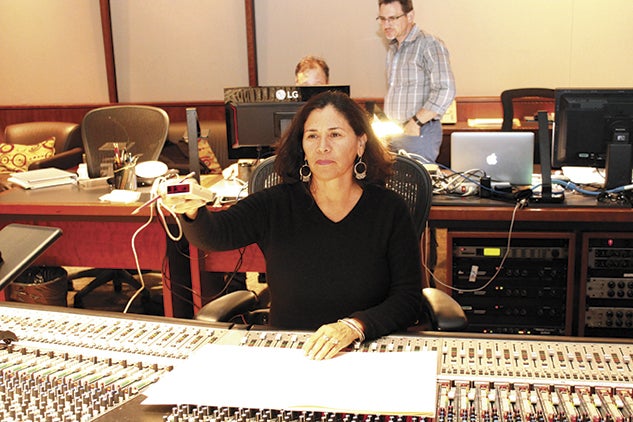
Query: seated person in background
(312, 70)
(342, 255)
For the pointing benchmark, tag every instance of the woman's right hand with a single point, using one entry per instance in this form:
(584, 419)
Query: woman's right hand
(189, 207)
(182, 204)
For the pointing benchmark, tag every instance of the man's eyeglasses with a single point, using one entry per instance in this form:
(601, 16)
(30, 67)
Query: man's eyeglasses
(390, 19)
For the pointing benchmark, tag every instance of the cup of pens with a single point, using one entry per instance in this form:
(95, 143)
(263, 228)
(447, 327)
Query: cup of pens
(124, 170)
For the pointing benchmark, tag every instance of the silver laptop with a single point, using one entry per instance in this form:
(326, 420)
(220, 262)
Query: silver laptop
(504, 156)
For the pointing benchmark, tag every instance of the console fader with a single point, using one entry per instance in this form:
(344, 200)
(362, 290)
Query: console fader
(74, 366)
(71, 365)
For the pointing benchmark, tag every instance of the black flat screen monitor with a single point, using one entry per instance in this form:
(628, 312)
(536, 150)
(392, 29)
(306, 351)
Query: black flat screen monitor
(253, 128)
(256, 117)
(592, 129)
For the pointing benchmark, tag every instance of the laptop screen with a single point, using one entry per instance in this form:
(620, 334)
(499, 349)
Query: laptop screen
(20, 245)
(504, 156)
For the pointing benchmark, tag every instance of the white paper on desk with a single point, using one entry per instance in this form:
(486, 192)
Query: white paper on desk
(121, 196)
(229, 189)
(402, 383)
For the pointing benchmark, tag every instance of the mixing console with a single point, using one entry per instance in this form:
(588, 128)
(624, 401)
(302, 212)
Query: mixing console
(70, 365)
(75, 366)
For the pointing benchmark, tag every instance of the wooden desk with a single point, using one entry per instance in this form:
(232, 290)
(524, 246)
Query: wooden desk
(577, 212)
(99, 234)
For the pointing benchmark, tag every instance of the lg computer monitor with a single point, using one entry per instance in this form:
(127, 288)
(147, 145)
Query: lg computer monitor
(256, 117)
(593, 129)
(254, 128)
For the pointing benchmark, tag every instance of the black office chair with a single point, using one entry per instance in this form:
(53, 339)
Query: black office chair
(440, 312)
(264, 176)
(140, 130)
(508, 98)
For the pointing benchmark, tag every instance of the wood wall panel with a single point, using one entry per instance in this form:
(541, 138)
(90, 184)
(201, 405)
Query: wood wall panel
(467, 107)
(213, 110)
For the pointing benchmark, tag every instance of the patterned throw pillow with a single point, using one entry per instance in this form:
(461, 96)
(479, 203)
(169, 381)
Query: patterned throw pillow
(16, 157)
(207, 156)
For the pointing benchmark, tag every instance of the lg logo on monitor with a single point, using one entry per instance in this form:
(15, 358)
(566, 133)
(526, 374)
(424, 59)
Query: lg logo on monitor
(282, 94)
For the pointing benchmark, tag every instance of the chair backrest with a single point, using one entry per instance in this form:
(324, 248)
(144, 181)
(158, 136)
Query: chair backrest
(264, 175)
(413, 182)
(410, 179)
(67, 135)
(508, 97)
(137, 128)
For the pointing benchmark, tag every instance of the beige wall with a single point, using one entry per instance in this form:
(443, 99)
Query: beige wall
(500, 44)
(179, 50)
(51, 52)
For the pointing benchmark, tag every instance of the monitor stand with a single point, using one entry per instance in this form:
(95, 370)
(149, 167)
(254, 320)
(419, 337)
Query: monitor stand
(193, 133)
(546, 195)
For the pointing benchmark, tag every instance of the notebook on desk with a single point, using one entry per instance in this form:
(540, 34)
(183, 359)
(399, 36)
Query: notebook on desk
(43, 178)
(504, 156)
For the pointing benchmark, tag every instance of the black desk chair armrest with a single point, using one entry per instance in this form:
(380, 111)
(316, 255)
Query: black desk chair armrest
(64, 160)
(443, 312)
(228, 306)
(440, 311)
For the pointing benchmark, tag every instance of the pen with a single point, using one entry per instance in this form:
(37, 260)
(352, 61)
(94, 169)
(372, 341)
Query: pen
(117, 157)
(154, 199)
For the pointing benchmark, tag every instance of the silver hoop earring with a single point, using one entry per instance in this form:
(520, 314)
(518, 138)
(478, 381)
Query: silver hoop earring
(360, 169)
(305, 173)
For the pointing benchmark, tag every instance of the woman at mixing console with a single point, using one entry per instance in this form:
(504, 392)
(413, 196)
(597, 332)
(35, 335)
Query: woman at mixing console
(342, 256)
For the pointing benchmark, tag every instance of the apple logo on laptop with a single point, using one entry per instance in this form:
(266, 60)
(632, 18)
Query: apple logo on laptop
(491, 159)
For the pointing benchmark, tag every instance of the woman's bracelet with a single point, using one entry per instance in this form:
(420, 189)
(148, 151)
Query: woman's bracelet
(355, 326)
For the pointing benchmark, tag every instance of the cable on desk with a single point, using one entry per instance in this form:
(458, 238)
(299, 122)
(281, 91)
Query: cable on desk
(464, 183)
(621, 195)
(159, 209)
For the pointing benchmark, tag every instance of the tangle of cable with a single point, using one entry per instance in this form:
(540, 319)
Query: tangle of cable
(159, 209)
(136, 261)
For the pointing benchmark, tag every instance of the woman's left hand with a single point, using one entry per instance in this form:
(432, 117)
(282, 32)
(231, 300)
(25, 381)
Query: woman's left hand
(328, 340)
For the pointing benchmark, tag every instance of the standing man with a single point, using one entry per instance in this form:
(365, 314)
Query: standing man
(420, 80)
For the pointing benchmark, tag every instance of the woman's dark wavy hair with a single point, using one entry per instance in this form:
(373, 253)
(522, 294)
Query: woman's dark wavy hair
(290, 154)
